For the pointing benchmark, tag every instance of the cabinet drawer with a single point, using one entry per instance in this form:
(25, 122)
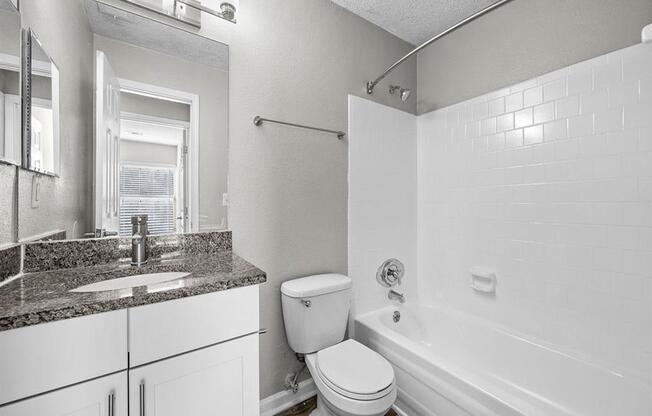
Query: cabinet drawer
(165, 329)
(43, 357)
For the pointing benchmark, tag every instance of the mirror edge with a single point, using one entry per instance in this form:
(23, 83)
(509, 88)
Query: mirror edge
(28, 39)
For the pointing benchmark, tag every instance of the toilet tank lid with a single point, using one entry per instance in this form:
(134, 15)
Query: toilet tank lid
(315, 285)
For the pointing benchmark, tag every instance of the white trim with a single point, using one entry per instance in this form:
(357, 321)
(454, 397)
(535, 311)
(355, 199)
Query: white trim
(42, 103)
(154, 121)
(398, 410)
(152, 165)
(42, 68)
(158, 121)
(154, 91)
(9, 62)
(284, 400)
(173, 143)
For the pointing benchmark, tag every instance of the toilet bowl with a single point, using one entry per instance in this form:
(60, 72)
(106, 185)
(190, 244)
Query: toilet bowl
(351, 380)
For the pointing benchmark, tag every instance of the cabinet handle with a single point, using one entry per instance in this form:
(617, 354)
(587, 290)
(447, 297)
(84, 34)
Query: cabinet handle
(142, 398)
(111, 403)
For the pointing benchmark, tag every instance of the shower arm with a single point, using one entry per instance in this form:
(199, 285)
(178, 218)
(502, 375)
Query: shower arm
(372, 84)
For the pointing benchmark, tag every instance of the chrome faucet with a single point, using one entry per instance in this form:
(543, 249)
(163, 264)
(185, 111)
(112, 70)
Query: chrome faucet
(100, 233)
(394, 295)
(138, 240)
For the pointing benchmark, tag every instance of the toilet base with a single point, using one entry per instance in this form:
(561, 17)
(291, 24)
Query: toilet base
(325, 409)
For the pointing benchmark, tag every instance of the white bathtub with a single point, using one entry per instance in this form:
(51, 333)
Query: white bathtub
(450, 364)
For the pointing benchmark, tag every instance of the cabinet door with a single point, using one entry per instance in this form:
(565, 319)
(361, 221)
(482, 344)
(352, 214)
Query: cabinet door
(217, 380)
(105, 396)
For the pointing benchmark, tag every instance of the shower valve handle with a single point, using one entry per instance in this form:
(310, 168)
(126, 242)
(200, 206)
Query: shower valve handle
(390, 273)
(394, 274)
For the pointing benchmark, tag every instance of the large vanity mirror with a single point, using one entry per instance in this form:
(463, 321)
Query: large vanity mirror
(142, 125)
(10, 105)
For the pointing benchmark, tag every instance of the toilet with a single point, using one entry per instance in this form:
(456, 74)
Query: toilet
(351, 379)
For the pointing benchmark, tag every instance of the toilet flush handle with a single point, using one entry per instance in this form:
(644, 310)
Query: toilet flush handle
(306, 302)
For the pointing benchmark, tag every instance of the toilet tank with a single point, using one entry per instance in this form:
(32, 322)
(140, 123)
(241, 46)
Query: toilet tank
(315, 311)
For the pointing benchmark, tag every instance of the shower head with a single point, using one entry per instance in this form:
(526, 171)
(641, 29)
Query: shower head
(404, 93)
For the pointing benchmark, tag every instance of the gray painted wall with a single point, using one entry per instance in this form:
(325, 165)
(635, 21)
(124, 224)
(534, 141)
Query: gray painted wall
(297, 60)
(64, 200)
(521, 40)
(9, 33)
(7, 199)
(10, 81)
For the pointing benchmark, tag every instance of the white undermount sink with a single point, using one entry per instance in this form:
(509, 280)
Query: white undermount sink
(131, 281)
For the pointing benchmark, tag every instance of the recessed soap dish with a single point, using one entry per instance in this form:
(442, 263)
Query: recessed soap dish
(483, 279)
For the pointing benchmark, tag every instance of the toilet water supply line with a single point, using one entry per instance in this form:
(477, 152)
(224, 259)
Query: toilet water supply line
(293, 384)
(372, 84)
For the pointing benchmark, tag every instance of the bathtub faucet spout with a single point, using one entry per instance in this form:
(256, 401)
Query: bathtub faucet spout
(394, 295)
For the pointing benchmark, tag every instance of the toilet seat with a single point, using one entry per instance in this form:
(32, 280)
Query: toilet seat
(355, 371)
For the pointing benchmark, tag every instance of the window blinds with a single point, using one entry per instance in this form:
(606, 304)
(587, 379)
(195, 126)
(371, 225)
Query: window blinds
(147, 190)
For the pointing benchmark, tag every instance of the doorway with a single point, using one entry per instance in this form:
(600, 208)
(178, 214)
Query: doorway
(153, 173)
(152, 123)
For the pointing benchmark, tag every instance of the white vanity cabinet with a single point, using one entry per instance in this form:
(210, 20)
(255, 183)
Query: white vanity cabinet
(196, 355)
(218, 380)
(105, 396)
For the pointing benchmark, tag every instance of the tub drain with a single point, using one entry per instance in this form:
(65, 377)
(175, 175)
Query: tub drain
(397, 316)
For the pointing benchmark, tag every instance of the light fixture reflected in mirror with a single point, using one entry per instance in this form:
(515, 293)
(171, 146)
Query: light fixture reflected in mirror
(189, 11)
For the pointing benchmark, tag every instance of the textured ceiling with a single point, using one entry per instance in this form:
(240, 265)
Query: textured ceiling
(127, 27)
(414, 21)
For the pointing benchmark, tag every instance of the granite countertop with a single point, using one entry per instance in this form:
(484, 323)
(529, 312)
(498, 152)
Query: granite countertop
(41, 297)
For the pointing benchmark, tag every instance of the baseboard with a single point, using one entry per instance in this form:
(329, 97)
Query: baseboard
(398, 410)
(283, 400)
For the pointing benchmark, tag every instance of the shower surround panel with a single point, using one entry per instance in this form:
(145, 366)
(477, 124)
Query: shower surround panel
(382, 199)
(549, 183)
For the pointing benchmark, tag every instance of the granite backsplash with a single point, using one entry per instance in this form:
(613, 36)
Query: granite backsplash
(9, 261)
(54, 255)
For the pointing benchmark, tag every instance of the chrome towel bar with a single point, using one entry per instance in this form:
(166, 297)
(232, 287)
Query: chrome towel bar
(258, 121)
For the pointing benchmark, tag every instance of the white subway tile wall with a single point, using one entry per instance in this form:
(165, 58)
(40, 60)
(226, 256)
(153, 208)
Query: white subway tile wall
(550, 183)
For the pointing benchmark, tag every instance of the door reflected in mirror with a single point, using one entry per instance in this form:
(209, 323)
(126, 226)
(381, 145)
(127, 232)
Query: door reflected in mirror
(143, 161)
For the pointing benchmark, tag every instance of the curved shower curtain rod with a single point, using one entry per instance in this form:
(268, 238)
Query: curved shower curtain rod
(372, 84)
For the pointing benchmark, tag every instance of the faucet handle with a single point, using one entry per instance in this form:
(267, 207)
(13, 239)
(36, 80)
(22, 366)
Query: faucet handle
(390, 273)
(395, 273)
